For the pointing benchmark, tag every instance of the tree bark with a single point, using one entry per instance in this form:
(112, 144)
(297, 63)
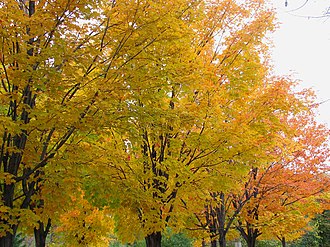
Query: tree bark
(283, 242)
(8, 240)
(251, 242)
(222, 240)
(154, 239)
(40, 234)
(251, 234)
(221, 217)
(39, 238)
(251, 237)
(214, 243)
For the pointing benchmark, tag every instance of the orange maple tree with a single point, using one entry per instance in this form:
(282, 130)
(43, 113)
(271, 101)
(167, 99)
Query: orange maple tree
(290, 186)
(289, 180)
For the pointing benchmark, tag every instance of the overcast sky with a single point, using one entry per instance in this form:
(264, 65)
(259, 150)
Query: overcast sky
(302, 46)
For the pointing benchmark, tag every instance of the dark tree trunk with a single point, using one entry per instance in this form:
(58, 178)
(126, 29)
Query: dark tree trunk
(211, 222)
(40, 234)
(251, 241)
(222, 241)
(283, 242)
(7, 241)
(40, 239)
(214, 243)
(251, 237)
(154, 239)
(251, 234)
(221, 217)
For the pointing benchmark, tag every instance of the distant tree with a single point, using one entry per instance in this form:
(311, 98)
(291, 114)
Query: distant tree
(178, 240)
(324, 228)
(319, 235)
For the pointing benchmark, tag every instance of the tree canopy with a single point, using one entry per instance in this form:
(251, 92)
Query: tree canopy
(129, 118)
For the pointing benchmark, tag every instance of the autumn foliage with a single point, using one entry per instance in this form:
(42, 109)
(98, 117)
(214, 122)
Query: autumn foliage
(120, 119)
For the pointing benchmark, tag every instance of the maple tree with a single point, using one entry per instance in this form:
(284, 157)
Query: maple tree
(159, 101)
(231, 117)
(276, 200)
(61, 67)
(201, 127)
(41, 105)
(290, 187)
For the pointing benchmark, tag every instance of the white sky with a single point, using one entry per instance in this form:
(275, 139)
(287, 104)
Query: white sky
(302, 47)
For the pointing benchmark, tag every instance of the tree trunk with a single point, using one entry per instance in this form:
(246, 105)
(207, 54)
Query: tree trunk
(210, 215)
(251, 241)
(154, 239)
(7, 241)
(222, 240)
(251, 234)
(221, 217)
(40, 239)
(40, 234)
(283, 242)
(251, 237)
(214, 243)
